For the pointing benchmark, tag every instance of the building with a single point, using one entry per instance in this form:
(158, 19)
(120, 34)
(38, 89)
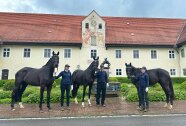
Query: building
(29, 39)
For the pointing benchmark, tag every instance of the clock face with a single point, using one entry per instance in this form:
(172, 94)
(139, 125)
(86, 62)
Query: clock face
(93, 23)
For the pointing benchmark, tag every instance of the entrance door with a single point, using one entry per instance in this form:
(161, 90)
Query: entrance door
(5, 74)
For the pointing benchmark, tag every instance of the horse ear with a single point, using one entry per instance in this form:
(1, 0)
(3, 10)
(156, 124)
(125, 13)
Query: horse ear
(125, 64)
(94, 57)
(58, 53)
(130, 64)
(98, 58)
(53, 53)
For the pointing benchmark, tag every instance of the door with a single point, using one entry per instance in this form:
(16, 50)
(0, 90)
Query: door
(5, 74)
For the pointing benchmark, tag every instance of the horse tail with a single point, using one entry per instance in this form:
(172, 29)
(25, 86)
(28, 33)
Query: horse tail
(171, 89)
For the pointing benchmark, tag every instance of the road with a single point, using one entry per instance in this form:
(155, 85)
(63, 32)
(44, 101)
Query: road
(162, 120)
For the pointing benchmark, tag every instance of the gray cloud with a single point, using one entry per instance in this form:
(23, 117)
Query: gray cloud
(129, 8)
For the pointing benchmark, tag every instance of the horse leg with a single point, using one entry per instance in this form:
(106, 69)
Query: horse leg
(84, 89)
(75, 99)
(24, 85)
(89, 94)
(49, 88)
(42, 88)
(166, 90)
(14, 95)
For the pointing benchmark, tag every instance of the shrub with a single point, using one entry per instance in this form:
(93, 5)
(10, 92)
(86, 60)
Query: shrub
(123, 80)
(2, 82)
(183, 85)
(124, 87)
(178, 80)
(9, 85)
(5, 101)
(5, 94)
(113, 79)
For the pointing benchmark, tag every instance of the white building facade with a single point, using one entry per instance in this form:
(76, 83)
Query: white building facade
(92, 35)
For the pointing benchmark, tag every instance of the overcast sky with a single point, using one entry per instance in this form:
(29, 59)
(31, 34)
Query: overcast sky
(124, 8)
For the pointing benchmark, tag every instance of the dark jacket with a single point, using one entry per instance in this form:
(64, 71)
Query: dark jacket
(66, 77)
(101, 77)
(143, 79)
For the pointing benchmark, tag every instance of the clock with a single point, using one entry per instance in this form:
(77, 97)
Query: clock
(93, 23)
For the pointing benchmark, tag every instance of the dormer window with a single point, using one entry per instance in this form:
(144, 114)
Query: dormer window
(100, 26)
(86, 25)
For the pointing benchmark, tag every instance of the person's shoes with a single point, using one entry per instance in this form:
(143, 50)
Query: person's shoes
(138, 108)
(62, 108)
(97, 104)
(103, 105)
(141, 108)
(146, 110)
(68, 108)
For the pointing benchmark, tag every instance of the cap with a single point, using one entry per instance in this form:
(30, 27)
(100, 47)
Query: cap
(101, 66)
(67, 65)
(143, 68)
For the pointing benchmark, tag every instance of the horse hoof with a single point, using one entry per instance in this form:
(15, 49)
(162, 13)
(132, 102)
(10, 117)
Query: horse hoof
(49, 109)
(90, 105)
(13, 109)
(21, 105)
(76, 103)
(170, 107)
(165, 106)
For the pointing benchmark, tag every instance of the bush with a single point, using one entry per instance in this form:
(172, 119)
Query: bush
(183, 86)
(5, 101)
(5, 94)
(124, 87)
(9, 85)
(113, 79)
(178, 80)
(2, 82)
(123, 80)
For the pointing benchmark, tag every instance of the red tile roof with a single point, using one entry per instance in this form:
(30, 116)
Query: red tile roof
(48, 28)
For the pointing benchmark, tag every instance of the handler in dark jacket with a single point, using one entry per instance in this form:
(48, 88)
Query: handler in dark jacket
(65, 86)
(102, 82)
(143, 83)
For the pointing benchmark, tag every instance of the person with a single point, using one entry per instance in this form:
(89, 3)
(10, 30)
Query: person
(65, 86)
(143, 83)
(102, 82)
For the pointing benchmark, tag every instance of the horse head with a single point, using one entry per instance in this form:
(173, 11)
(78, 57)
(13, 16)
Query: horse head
(55, 59)
(130, 70)
(95, 63)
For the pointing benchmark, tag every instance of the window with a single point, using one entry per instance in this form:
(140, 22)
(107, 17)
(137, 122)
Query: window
(86, 25)
(100, 26)
(173, 72)
(93, 53)
(26, 53)
(184, 71)
(118, 54)
(136, 54)
(67, 53)
(171, 54)
(93, 41)
(47, 53)
(153, 54)
(182, 53)
(6, 52)
(118, 72)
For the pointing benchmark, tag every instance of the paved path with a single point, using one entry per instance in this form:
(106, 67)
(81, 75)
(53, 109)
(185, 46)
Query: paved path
(158, 120)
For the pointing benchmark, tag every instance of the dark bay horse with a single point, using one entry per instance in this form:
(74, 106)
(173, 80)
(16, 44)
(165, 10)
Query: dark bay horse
(160, 76)
(42, 77)
(85, 78)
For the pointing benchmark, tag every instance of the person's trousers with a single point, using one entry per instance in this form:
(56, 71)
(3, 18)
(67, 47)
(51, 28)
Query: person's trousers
(143, 95)
(65, 87)
(101, 91)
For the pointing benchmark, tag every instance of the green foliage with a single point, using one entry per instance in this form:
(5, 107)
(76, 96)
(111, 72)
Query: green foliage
(123, 80)
(5, 94)
(9, 85)
(178, 80)
(113, 79)
(2, 82)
